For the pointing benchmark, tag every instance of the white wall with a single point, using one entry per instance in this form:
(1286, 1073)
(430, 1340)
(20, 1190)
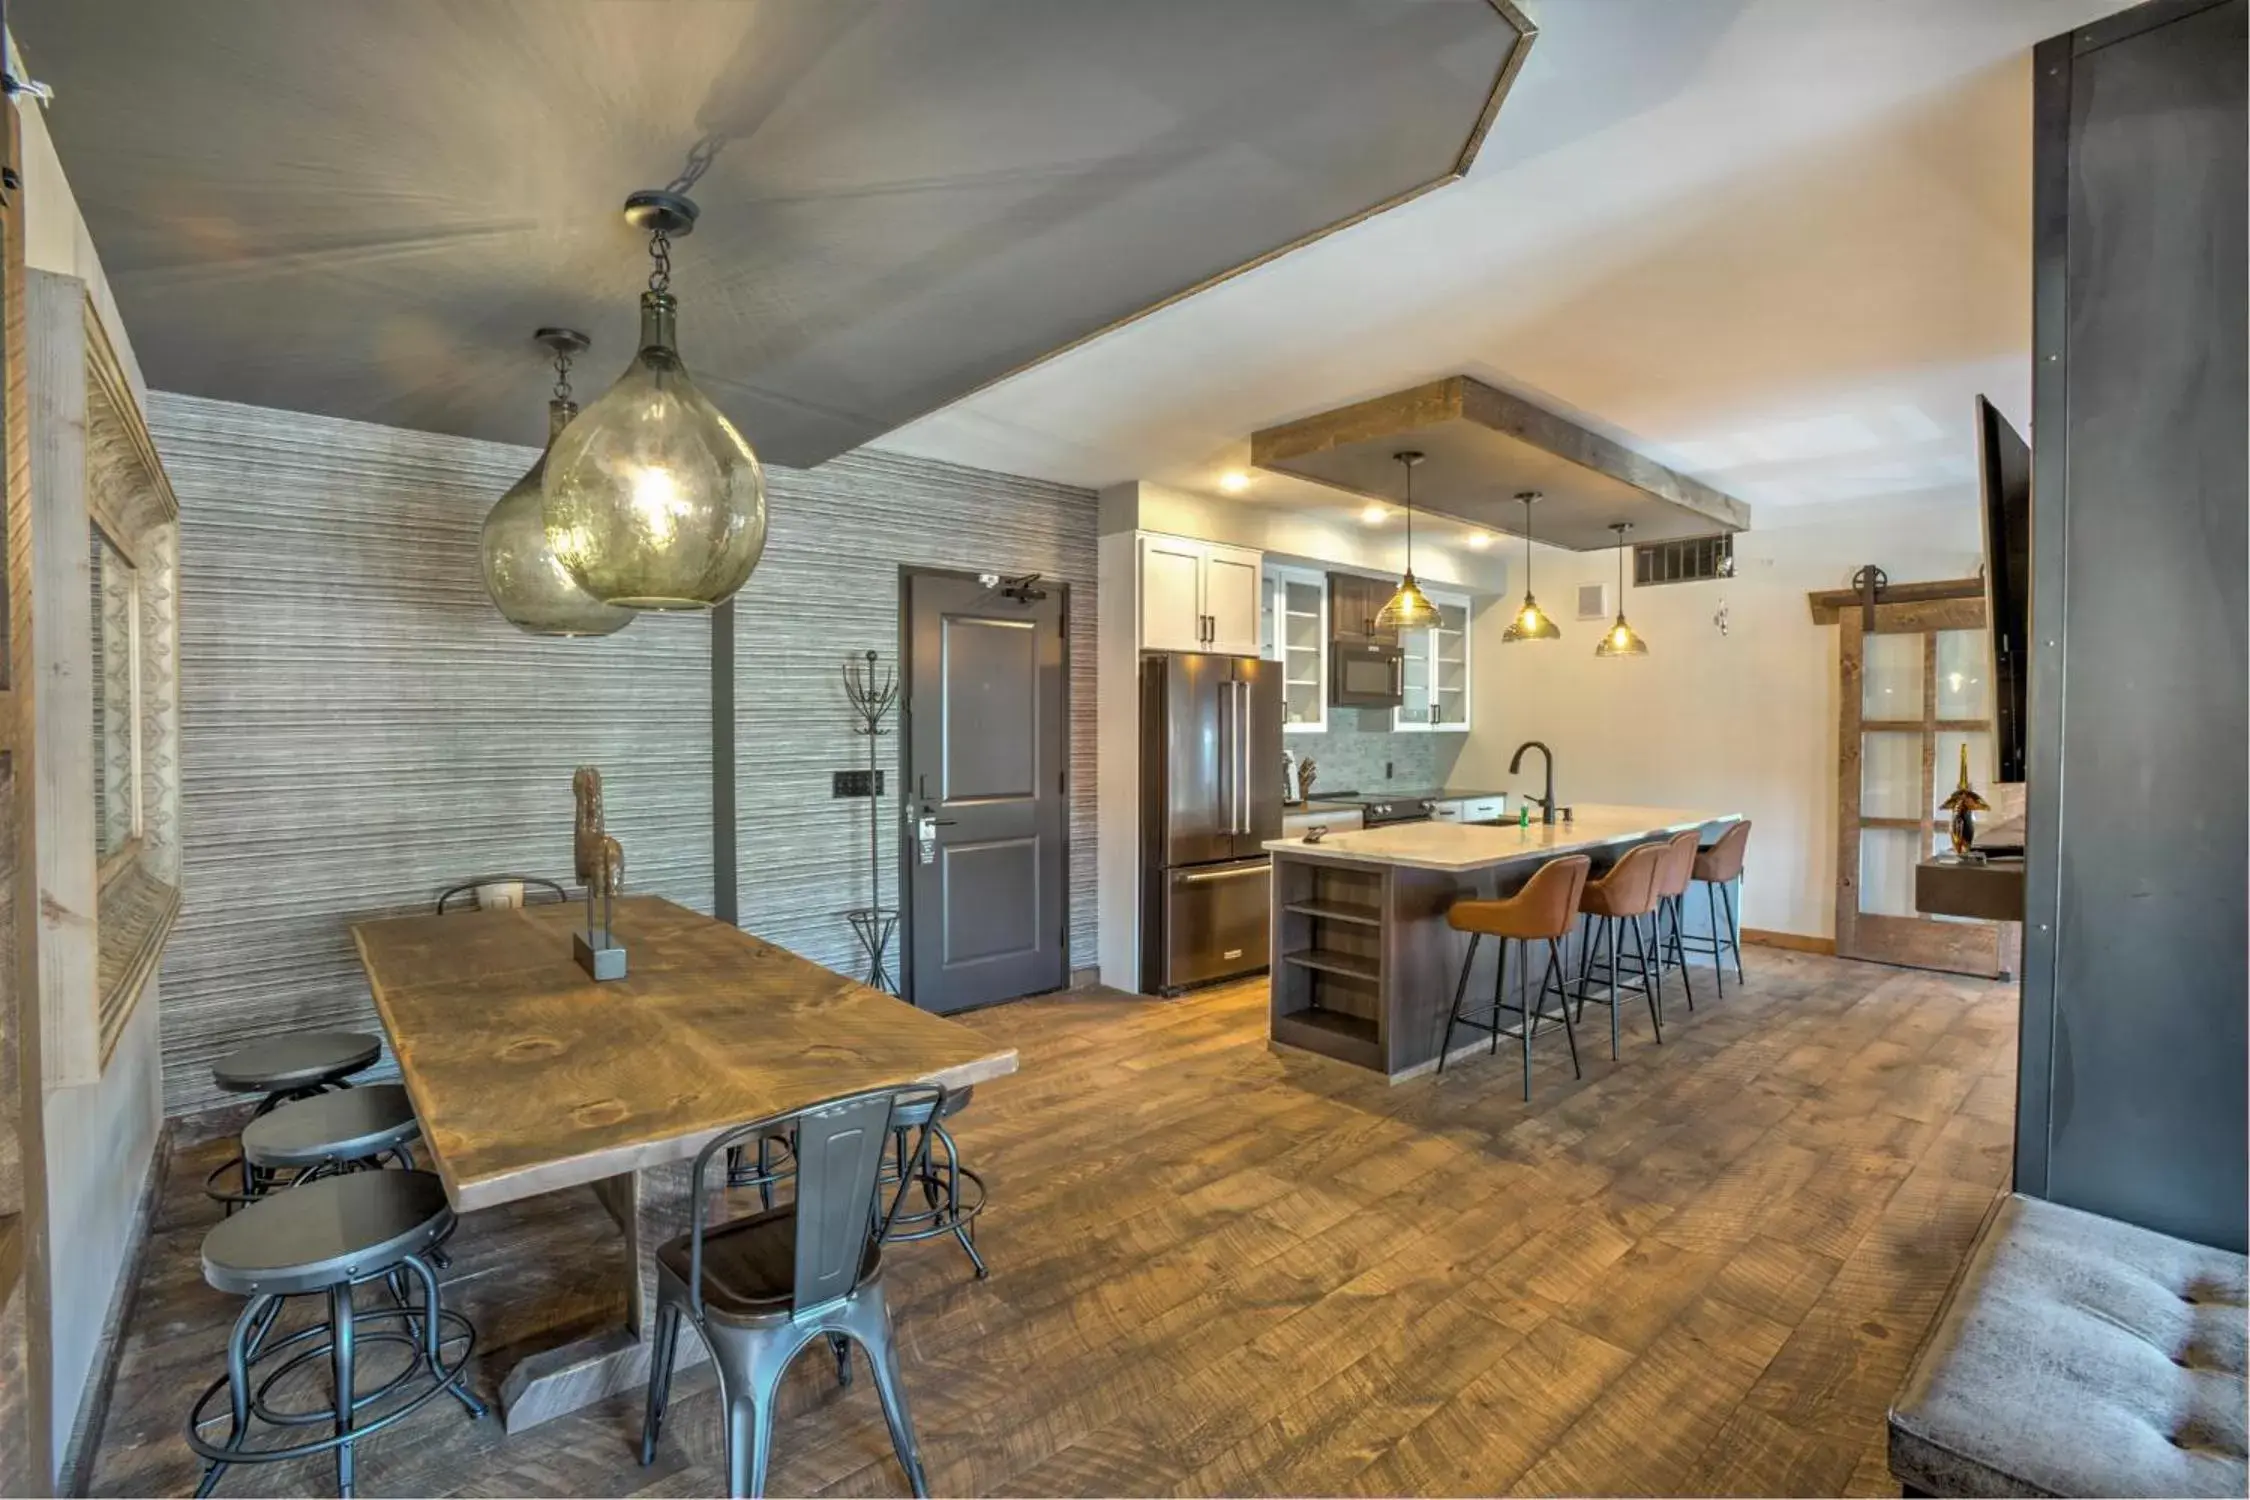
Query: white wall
(101, 1137)
(1744, 722)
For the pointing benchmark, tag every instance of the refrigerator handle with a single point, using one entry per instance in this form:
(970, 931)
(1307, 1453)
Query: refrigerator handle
(1226, 750)
(1242, 739)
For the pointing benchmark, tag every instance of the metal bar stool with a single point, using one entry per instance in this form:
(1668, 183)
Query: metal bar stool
(349, 1130)
(283, 1069)
(952, 1195)
(1625, 895)
(329, 1236)
(1671, 891)
(1541, 912)
(1719, 865)
(758, 1289)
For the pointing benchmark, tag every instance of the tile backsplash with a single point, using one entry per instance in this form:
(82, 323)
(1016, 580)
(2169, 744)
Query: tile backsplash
(1351, 756)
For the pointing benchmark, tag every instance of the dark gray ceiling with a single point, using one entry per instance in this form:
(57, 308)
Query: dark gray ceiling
(363, 209)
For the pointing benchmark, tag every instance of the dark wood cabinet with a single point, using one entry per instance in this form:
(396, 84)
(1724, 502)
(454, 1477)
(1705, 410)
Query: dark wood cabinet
(1353, 604)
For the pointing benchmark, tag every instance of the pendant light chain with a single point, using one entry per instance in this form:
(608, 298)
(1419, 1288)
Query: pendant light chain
(562, 374)
(660, 258)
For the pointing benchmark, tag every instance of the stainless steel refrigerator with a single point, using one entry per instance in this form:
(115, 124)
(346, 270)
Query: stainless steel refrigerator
(1210, 798)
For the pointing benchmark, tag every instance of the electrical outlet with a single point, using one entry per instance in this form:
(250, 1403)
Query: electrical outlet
(856, 784)
(1386, 770)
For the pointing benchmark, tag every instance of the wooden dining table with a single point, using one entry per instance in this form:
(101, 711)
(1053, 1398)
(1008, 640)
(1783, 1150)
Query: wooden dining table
(529, 1077)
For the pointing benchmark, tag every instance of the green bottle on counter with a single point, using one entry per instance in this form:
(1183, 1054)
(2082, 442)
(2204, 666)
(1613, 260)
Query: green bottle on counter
(1523, 817)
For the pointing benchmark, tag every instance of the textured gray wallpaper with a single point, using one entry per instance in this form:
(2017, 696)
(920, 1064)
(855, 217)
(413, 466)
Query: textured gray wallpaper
(359, 727)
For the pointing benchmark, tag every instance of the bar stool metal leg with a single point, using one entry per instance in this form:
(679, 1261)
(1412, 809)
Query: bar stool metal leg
(340, 1356)
(1734, 933)
(1673, 905)
(1460, 988)
(1562, 1003)
(1499, 991)
(1718, 965)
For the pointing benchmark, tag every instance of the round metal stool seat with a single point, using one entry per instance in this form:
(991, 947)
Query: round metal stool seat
(336, 1229)
(282, 1068)
(347, 1126)
(327, 1236)
(303, 1060)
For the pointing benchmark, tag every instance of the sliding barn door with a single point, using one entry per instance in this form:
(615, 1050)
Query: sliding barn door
(1915, 690)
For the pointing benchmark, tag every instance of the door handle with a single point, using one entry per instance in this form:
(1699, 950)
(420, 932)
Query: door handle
(1210, 875)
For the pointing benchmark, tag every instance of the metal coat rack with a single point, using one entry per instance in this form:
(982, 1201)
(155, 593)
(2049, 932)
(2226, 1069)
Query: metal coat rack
(873, 691)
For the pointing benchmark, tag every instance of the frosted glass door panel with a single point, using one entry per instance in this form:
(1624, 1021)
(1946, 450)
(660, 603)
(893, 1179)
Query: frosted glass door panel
(1891, 679)
(1887, 857)
(1962, 669)
(1890, 776)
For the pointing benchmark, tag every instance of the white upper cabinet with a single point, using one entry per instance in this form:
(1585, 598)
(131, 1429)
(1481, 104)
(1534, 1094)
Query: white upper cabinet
(1296, 636)
(1436, 670)
(1199, 596)
(1171, 594)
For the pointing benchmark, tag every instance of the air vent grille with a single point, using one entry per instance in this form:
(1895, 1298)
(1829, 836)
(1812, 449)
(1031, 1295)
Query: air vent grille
(1688, 561)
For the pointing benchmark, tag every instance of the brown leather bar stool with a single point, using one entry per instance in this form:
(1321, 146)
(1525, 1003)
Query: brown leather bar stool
(1539, 913)
(1671, 892)
(1718, 865)
(1625, 895)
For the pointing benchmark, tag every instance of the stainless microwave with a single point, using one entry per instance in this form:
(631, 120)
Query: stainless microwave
(1365, 674)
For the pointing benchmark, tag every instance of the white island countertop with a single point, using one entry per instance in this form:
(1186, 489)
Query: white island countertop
(1478, 846)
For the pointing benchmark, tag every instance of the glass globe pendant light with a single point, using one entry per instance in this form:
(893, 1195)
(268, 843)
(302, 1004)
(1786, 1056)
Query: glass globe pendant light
(521, 572)
(1531, 623)
(1409, 608)
(1622, 639)
(653, 499)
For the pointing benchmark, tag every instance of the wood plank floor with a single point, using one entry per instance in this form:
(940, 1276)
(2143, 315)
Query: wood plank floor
(1221, 1268)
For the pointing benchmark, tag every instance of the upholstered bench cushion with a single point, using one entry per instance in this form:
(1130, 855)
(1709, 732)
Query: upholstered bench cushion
(2079, 1356)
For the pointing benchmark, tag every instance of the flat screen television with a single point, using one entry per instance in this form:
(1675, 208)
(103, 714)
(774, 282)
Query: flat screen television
(2004, 466)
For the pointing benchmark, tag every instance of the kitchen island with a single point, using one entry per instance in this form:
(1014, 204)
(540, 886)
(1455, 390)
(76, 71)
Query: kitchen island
(1364, 964)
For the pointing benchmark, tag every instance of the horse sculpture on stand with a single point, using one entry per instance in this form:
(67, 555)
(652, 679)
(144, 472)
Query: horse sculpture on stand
(601, 869)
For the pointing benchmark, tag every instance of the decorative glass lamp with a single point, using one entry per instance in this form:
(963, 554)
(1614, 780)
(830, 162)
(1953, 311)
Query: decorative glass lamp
(1622, 639)
(1409, 608)
(521, 573)
(1531, 623)
(653, 499)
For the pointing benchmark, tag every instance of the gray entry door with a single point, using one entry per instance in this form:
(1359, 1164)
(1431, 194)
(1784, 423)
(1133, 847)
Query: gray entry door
(987, 773)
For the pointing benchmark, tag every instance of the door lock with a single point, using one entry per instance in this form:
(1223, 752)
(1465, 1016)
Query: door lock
(925, 835)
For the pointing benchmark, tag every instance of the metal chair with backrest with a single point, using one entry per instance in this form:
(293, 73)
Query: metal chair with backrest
(758, 1289)
(533, 890)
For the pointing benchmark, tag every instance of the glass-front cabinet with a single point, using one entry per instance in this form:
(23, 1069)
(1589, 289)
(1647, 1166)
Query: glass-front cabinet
(1436, 663)
(1295, 634)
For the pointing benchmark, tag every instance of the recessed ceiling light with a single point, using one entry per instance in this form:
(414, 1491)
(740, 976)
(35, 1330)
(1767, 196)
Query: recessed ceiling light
(1373, 515)
(1234, 481)
(1480, 539)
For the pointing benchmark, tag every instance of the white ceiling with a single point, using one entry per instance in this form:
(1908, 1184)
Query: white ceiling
(1776, 244)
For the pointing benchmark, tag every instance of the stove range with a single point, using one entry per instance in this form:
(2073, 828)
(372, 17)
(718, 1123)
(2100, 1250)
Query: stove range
(1377, 809)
